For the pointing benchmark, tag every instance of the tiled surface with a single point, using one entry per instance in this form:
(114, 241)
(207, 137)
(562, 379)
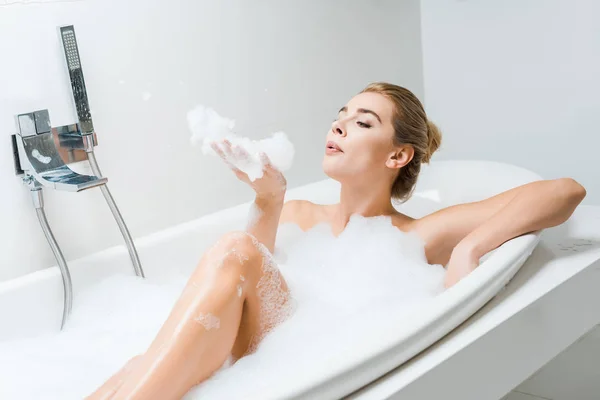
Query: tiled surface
(572, 375)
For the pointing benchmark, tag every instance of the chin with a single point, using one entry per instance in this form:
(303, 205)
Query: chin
(332, 170)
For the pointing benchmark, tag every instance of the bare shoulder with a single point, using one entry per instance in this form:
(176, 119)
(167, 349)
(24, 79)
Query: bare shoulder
(303, 213)
(433, 231)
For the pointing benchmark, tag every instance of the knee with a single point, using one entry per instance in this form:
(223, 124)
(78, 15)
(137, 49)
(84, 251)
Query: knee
(240, 248)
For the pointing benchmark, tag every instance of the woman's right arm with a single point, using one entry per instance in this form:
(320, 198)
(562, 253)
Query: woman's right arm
(270, 191)
(264, 219)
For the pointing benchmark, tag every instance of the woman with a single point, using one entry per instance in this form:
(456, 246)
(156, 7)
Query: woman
(375, 149)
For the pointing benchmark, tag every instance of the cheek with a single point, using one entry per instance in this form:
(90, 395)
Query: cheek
(370, 151)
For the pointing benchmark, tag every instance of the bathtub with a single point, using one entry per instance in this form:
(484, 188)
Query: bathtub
(32, 304)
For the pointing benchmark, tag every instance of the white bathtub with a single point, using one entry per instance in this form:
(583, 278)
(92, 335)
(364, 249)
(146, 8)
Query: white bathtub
(32, 304)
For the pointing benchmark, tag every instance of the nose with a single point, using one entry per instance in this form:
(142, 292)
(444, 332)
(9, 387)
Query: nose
(338, 128)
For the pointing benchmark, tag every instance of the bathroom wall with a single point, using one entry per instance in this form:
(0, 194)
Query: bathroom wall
(271, 65)
(517, 81)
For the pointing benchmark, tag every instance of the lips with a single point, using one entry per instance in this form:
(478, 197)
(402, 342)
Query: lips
(333, 147)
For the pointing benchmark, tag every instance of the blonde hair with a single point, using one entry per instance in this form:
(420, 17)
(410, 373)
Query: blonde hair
(411, 127)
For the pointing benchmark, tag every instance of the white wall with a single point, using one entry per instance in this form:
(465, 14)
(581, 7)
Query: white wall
(270, 64)
(518, 81)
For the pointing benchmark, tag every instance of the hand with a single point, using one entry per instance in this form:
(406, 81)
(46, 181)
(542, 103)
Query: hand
(462, 262)
(271, 184)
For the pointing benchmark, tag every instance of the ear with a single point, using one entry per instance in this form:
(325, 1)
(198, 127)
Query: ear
(400, 157)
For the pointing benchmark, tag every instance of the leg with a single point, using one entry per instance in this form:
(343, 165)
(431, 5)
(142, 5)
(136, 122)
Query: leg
(110, 387)
(221, 311)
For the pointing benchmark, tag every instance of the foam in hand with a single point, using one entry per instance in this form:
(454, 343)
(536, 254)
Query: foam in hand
(209, 127)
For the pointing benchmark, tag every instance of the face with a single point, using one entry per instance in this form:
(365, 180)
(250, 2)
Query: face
(359, 145)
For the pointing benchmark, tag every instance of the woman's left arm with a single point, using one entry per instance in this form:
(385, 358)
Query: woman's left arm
(468, 231)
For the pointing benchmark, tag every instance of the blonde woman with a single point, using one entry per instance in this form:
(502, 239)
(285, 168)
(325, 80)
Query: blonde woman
(375, 149)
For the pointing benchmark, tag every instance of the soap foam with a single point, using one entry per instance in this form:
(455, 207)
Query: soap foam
(344, 290)
(208, 321)
(254, 215)
(208, 128)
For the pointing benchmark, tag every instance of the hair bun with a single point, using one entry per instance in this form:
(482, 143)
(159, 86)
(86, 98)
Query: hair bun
(434, 140)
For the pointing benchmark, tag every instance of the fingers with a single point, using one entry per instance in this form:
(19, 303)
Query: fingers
(265, 159)
(217, 150)
(227, 149)
(231, 152)
(237, 152)
(215, 146)
(268, 165)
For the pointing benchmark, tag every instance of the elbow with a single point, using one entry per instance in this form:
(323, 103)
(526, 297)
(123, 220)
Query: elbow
(572, 194)
(573, 191)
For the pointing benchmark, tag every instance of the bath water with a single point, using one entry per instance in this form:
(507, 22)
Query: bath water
(342, 287)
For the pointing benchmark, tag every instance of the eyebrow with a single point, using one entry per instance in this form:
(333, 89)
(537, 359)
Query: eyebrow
(362, 110)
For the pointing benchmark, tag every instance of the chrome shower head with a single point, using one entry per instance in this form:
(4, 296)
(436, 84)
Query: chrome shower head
(84, 115)
(70, 46)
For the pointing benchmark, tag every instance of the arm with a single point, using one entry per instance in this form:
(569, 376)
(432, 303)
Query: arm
(270, 191)
(276, 212)
(263, 224)
(464, 233)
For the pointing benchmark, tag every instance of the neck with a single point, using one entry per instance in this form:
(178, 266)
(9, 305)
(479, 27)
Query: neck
(367, 200)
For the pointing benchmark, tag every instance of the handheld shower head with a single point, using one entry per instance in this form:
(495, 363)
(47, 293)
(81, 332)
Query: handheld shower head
(84, 115)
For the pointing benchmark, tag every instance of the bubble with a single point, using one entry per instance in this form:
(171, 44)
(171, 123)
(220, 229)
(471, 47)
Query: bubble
(208, 127)
(208, 321)
(254, 215)
(241, 257)
(342, 291)
(222, 259)
(276, 304)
